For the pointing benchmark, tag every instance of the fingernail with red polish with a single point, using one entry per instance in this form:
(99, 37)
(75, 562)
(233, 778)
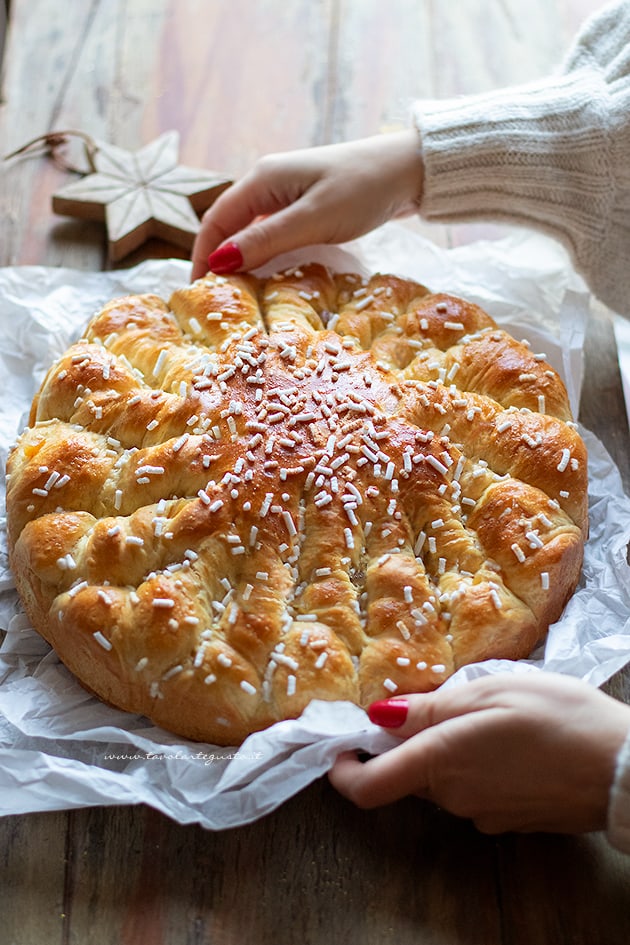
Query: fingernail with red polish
(226, 258)
(390, 713)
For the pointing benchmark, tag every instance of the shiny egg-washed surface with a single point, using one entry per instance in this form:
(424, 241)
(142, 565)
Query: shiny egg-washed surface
(311, 486)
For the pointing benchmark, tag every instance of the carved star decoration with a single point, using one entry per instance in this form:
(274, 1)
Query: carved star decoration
(141, 194)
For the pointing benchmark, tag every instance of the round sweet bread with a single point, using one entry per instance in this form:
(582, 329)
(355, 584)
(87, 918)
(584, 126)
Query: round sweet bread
(309, 486)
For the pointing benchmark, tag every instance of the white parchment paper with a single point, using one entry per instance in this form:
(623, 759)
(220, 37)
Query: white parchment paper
(62, 748)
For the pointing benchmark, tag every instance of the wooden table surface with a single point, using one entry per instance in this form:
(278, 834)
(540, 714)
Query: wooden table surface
(239, 78)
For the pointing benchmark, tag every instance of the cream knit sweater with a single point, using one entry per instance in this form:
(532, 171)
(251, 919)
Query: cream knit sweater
(553, 154)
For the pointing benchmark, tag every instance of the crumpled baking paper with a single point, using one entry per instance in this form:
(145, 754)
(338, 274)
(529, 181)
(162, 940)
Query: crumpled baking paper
(61, 748)
(622, 337)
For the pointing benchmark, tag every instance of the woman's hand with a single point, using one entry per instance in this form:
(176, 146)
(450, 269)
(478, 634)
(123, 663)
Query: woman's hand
(524, 753)
(321, 195)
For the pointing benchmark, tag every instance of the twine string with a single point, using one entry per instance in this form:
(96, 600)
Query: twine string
(53, 144)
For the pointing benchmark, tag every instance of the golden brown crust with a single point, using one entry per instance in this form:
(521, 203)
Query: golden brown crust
(308, 486)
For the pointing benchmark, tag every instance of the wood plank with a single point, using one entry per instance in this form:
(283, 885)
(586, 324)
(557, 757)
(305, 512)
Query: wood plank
(32, 878)
(316, 871)
(239, 79)
(319, 870)
(27, 185)
(195, 74)
(602, 395)
(564, 890)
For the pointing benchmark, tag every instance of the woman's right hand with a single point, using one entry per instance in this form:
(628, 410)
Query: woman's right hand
(329, 194)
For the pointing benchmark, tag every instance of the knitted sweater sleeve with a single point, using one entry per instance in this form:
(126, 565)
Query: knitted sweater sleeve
(553, 154)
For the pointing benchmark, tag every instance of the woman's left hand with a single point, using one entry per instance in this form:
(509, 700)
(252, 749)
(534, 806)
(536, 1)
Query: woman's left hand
(512, 752)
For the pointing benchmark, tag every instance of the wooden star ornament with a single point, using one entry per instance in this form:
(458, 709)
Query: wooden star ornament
(141, 194)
